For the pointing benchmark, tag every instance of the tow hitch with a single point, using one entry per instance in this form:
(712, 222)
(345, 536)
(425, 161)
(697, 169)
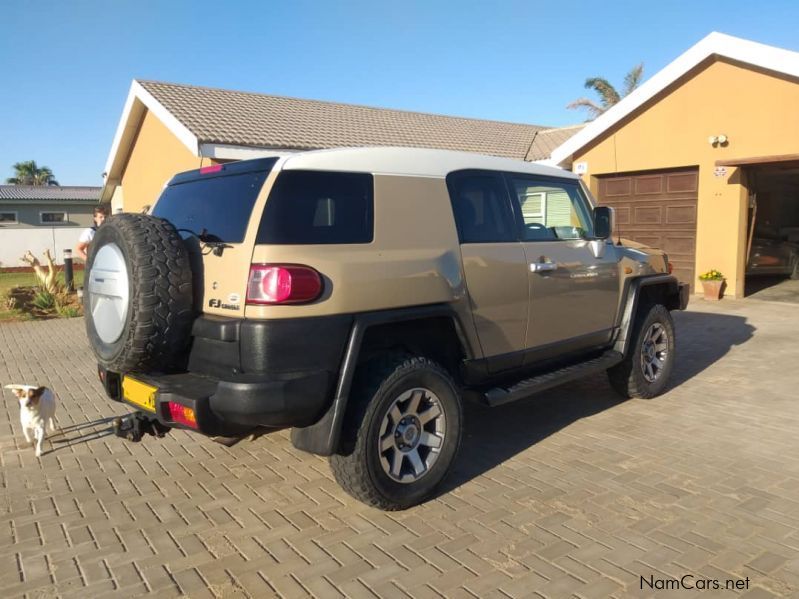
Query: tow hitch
(137, 424)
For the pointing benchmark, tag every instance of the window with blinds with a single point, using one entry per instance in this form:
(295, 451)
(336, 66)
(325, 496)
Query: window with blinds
(551, 210)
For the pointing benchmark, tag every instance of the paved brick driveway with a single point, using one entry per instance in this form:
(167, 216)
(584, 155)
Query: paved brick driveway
(575, 493)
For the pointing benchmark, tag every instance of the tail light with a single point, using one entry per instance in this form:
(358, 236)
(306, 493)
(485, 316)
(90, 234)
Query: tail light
(283, 284)
(671, 267)
(182, 414)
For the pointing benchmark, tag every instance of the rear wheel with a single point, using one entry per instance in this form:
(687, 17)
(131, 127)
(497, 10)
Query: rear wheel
(645, 370)
(402, 432)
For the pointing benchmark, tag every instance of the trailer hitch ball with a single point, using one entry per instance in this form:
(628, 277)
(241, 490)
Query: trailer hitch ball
(137, 424)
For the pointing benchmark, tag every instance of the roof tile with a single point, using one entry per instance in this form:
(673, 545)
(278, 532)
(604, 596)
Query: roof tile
(247, 119)
(49, 193)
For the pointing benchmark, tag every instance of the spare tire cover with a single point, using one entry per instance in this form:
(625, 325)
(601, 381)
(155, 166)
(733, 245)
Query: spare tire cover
(138, 295)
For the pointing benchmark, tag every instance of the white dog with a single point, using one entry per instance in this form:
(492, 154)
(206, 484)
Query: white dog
(36, 410)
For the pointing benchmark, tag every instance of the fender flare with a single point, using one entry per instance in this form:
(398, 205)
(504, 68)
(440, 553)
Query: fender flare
(676, 299)
(322, 437)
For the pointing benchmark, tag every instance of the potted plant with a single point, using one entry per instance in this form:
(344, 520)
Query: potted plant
(713, 284)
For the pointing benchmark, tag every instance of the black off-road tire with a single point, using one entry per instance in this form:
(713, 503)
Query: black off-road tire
(160, 313)
(377, 384)
(627, 378)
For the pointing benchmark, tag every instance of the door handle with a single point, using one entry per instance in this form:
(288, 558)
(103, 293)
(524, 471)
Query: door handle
(543, 266)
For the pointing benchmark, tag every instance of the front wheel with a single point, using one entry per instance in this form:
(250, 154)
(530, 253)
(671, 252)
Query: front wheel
(646, 368)
(402, 432)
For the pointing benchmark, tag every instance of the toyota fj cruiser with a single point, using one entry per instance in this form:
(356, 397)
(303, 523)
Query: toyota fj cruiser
(359, 295)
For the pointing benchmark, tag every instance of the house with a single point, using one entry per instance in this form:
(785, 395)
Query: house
(38, 217)
(699, 160)
(167, 128)
(702, 157)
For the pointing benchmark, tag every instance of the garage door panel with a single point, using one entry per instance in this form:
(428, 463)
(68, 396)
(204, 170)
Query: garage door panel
(682, 182)
(649, 185)
(622, 215)
(680, 246)
(618, 187)
(658, 209)
(648, 215)
(681, 215)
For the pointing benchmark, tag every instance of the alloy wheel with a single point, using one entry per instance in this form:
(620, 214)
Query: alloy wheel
(654, 352)
(411, 435)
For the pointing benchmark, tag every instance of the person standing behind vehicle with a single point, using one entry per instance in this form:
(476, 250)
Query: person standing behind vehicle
(86, 236)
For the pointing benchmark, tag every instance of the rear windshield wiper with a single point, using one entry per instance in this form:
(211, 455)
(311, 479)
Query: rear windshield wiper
(210, 240)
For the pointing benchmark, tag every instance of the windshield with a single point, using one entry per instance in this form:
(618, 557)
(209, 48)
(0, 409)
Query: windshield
(214, 207)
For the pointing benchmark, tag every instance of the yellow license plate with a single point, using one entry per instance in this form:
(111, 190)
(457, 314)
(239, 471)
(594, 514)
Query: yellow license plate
(139, 394)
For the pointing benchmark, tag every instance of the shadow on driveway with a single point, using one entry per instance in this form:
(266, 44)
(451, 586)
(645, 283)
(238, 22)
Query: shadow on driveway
(493, 435)
(76, 434)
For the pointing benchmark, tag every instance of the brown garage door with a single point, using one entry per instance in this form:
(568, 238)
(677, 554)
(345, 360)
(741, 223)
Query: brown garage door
(657, 209)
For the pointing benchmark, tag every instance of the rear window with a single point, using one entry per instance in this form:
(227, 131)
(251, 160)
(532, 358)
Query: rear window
(213, 207)
(317, 207)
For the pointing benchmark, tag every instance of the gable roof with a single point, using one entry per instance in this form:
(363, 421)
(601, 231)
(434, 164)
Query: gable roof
(713, 45)
(227, 124)
(49, 193)
(218, 116)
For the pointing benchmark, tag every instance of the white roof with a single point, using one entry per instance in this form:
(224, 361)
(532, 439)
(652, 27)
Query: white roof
(715, 44)
(411, 161)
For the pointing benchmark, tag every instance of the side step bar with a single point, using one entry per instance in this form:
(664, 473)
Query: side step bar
(499, 395)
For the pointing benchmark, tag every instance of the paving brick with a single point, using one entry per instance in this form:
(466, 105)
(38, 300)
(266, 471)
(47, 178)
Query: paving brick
(579, 494)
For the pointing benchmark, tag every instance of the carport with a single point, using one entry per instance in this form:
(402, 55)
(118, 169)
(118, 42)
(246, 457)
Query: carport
(772, 249)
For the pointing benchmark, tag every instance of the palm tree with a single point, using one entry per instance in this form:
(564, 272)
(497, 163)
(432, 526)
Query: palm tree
(28, 173)
(608, 96)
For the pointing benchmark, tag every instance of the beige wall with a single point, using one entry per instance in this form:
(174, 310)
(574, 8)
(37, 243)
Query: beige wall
(756, 111)
(156, 156)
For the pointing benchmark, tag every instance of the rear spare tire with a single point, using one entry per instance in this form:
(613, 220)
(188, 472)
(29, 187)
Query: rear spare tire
(138, 294)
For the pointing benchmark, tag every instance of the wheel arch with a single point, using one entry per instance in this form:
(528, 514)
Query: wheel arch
(385, 330)
(645, 291)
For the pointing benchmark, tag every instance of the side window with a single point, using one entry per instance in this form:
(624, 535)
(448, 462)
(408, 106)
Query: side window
(481, 209)
(317, 207)
(550, 209)
(58, 218)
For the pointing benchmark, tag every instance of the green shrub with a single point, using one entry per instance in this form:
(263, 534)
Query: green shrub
(44, 300)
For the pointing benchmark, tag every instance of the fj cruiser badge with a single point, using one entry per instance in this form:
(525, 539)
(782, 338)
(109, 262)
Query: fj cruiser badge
(217, 303)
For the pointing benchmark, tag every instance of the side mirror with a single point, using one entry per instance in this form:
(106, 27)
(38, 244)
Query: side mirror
(604, 221)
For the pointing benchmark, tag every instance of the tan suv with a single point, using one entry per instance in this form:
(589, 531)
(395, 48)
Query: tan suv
(359, 295)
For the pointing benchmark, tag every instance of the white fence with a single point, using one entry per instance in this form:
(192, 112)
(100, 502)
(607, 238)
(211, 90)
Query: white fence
(15, 242)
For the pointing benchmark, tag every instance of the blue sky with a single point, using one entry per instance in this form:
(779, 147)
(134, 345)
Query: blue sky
(67, 66)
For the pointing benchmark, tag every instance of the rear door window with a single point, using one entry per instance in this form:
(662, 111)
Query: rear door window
(481, 207)
(212, 207)
(319, 207)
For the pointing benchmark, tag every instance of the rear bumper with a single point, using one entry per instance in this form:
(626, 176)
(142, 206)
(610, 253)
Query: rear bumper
(227, 408)
(244, 374)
